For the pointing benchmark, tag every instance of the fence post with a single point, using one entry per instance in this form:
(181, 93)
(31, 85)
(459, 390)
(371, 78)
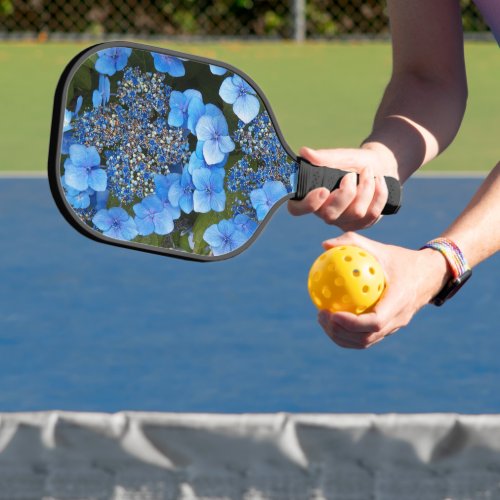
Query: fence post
(299, 20)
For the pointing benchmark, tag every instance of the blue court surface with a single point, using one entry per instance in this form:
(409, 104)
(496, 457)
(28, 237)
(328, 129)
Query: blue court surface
(86, 326)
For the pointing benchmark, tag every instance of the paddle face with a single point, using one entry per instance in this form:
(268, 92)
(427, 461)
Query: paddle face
(166, 152)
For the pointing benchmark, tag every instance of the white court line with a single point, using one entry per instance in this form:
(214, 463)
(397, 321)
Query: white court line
(454, 174)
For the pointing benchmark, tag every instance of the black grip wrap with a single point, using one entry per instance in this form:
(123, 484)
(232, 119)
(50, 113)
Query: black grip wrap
(312, 177)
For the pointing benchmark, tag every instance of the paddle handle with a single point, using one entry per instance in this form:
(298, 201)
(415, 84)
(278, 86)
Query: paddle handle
(312, 177)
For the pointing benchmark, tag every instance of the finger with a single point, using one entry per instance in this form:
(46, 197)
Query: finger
(348, 238)
(338, 201)
(380, 195)
(338, 334)
(311, 203)
(338, 157)
(364, 324)
(365, 191)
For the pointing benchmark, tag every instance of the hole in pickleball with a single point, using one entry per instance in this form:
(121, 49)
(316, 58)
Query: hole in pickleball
(372, 271)
(346, 299)
(327, 293)
(356, 273)
(366, 289)
(317, 301)
(348, 258)
(359, 310)
(363, 254)
(339, 281)
(317, 276)
(330, 268)
(379, 287)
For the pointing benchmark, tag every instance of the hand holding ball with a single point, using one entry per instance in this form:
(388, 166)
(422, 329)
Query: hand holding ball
(346, 278)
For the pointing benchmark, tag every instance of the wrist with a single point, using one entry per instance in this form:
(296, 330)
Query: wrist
(437, 272)
(386, 157)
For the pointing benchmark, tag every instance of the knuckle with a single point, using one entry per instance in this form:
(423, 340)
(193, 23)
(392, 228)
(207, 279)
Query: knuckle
(358, 211)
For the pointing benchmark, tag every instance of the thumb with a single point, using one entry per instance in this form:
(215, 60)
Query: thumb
(347, 158)
(349, 238)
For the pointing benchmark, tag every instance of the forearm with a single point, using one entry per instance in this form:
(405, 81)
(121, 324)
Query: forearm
(416, 120)
(424, 103)
(477, 230)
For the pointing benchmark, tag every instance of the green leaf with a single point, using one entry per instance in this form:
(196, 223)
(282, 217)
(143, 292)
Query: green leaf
(184, 242)
(204, 221)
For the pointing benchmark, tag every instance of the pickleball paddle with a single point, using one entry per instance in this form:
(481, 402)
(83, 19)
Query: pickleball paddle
(172, 153)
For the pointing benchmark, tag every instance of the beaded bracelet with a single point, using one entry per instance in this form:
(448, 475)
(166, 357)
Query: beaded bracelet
(452, 254)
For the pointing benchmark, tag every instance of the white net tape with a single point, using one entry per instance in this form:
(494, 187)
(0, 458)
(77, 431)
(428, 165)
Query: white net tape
(160, 456)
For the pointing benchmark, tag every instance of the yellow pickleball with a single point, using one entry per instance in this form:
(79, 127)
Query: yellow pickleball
(346, 278)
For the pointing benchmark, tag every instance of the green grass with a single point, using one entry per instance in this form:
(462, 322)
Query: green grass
(323, 94)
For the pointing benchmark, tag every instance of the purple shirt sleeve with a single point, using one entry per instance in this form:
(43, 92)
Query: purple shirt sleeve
(490, 9)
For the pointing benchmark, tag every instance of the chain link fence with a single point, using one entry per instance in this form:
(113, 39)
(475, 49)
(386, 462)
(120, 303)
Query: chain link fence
(297, 19)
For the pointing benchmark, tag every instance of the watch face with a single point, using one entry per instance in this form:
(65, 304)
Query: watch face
(451, 288)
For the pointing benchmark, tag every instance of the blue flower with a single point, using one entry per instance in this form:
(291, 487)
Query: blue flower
(112, 60)
(217, 70)
(244, 224)
(151, 216)
(82, 169)
(162, 184)
(168, 64)
(68, 116)
(76, 198)
(180, 193)
(196, 109)
(68, 126)
(101, 199)
(115, 223)
(179, 105)
(294, 177)
(223, 237)
(263, 199)
(234, 90)
(213, 131)
(178, 109)
(209, 193)
(100, 97)
(195, 162)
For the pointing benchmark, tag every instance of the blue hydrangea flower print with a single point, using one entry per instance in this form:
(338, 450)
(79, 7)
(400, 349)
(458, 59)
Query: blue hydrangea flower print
(196, 109)
(224, 237)
(179, 106)
(115, 223)
(152, 217)
(217, 70)
(209, 193)
(181, 191)
(82, 169)
(100, 97)
(213, 131)
(168, 64)
(69, 116)
(245, 224)
(234, 90)
(178, 109)
(112, 60)
(76, 198)
(149, 149)
(263, 199)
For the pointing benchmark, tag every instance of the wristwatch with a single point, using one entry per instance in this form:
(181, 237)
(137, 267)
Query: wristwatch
(460, 270)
